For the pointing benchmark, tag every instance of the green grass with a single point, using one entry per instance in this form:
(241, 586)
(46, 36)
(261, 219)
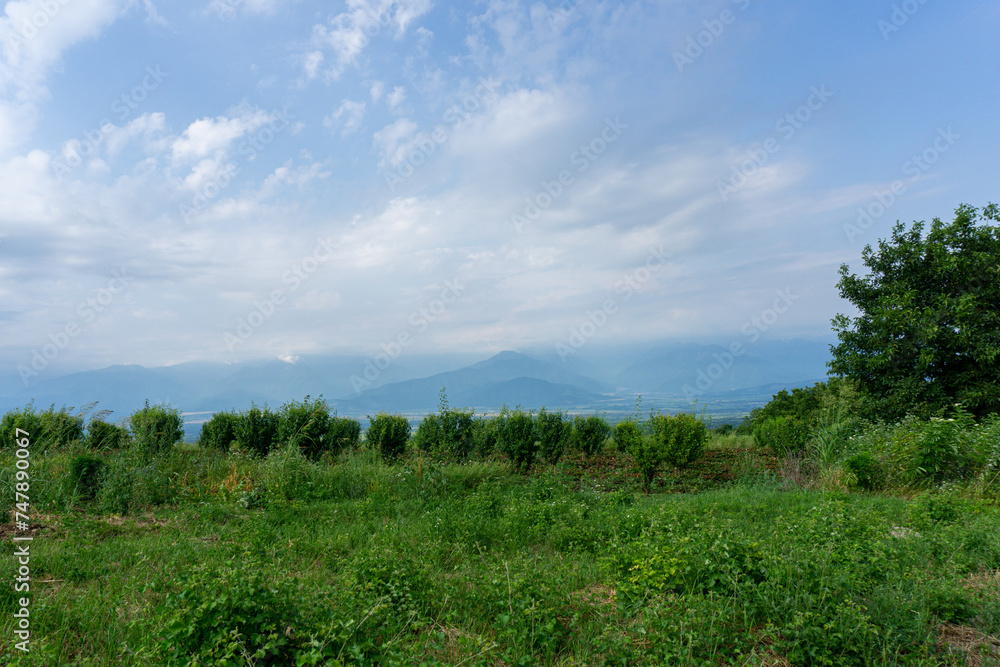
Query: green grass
(357, 562)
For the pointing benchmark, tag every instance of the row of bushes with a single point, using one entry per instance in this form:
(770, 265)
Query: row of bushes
(525, 436)
(152, 429)
(307, 424)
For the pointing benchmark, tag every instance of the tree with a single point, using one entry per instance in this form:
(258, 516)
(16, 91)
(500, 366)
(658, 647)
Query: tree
(928, 332)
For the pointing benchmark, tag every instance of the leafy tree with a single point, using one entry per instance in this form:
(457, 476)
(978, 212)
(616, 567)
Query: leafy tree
(388, 434)
(926, 336)
(516, 437)
(449, 431)
(554, 433)
(590, 433)
(256, 430)
(156, 428)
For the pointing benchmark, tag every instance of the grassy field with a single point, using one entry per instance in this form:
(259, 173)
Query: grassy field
(283, 561)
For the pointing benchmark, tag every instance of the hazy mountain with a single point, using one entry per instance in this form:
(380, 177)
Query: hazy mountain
(592, 378)
(481, 384)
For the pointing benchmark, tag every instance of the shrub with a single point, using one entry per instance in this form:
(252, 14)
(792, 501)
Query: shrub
(102, 435)
(449, 432)
(345, 434)
(627, 436)
(866, 469)
(941, 449)
(590, 433)
(219, 432)
(306, 425)
(230, 614)
(388, 433)
(257, 430)
(554, 432)
(648, 454)
(516, 437)
(725, 429)
(49, 429)
(156, 429)
(681, 437)
(485, 435)
(781, 435)
(85, 475)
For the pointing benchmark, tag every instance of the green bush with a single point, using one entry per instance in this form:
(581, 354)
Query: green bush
(257, 430)
(344, 434)
(485, 435)
(230, 614)
(449, 432)
(781, 435)
(627, 435)
(102, 435)
(648, 454)
(554, 433)
(117, 489)
(85, 476)
(681, 438)
(943, 449)
(306, 425)
(388, 434)
(46, 430)
(516, 438)
(866, 469)
(155, 429)
(590, 433)
(219, 432)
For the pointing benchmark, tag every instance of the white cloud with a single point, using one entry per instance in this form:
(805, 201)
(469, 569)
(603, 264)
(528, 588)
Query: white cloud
(34, 34)
(310, 63)
(154, 17)
(352, 113)
(392, 140)
(208, 135)
(396, 98)
(377, 90)
(226, 9)
(350, 32)
(146, 125)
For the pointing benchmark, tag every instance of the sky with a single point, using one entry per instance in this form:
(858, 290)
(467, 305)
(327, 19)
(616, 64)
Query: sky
(226, 180)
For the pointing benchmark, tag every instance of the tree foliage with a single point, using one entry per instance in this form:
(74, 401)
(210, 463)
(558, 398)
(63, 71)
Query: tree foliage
(926, 336)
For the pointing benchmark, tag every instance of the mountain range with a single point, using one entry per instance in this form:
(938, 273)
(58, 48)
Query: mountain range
(670, 374)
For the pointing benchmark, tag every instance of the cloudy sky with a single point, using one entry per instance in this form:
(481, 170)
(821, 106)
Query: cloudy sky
(233, 179)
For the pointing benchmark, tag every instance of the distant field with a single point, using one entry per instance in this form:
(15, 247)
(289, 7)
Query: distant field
(283, 561)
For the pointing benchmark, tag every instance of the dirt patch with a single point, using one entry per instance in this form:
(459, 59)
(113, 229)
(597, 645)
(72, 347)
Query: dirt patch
(979, 649)
(10, 531)
(984, 581)
(596, 594)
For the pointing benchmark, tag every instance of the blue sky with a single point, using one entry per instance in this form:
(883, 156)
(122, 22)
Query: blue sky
(232, 179)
